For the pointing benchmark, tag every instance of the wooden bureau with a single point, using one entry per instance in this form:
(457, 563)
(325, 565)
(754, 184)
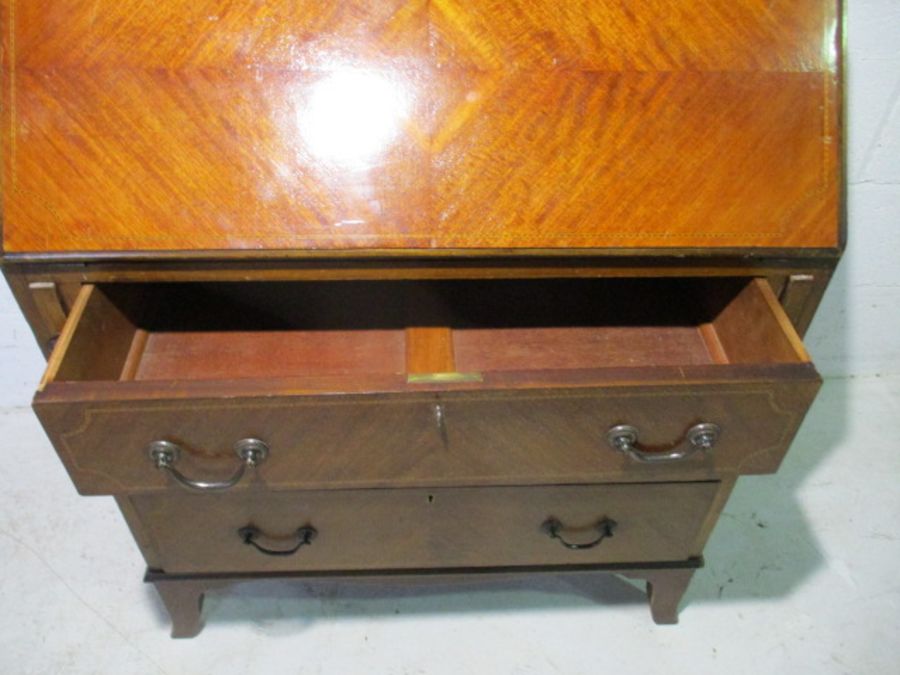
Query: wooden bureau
(397, 288)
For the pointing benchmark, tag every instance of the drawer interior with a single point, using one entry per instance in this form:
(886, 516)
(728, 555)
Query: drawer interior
(417, 329)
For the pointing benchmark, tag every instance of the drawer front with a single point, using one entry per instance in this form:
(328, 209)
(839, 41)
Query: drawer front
(437, 439)
(413, 528)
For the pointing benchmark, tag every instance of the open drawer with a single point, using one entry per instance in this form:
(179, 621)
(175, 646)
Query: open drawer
(423, 383)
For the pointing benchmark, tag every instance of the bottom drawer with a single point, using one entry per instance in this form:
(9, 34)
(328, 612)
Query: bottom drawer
(258, 531)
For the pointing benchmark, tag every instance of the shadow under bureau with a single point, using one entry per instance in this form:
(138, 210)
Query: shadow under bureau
(517, 292)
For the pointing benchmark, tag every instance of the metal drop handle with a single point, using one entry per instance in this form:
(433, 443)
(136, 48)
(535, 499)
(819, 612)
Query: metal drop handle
(165, 455)
(554, 528)
(305, 536)
(700, 437)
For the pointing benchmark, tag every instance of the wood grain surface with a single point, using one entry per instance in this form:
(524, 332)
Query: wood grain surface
(551, 435)
(321, 375)
(404, 529)
(405, 124)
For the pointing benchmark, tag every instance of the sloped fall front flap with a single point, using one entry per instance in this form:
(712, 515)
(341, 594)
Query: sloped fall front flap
(411, 124)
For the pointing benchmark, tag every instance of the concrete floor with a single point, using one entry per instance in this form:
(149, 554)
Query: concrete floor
(801, 577)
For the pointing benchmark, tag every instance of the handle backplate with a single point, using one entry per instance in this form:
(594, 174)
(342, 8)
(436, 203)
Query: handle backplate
(250, 534)
(699, 438)
(553, 528)
(165, 454)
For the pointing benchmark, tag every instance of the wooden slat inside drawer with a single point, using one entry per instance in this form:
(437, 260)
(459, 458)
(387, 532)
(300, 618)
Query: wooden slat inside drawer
(270, 354)
(578, 348)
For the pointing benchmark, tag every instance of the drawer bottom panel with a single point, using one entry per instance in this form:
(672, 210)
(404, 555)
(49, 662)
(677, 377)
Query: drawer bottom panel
(254, 531)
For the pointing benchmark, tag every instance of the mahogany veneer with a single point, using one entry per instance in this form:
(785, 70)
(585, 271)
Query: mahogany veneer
(412, 529)
(529, 414)
(403, 124)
